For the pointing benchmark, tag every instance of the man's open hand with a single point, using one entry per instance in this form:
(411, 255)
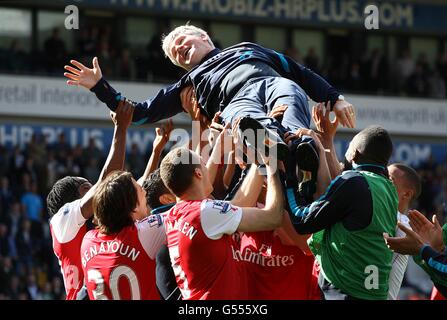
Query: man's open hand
(83, 76)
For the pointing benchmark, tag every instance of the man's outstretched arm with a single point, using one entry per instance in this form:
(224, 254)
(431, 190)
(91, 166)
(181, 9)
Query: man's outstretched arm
(316, 87)
(164, 105)
(117, 153)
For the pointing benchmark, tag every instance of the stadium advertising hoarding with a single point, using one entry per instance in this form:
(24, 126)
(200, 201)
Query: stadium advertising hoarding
(29, 96)
(26, 96)
(393, 14)
(413, 153)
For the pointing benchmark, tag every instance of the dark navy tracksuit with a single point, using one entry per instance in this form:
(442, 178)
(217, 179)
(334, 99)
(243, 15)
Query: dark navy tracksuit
(245, 79)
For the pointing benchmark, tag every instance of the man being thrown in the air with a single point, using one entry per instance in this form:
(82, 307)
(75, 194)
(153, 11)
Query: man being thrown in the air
(243, 81)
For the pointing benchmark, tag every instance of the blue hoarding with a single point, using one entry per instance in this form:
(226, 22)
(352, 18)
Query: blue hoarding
(413, 153)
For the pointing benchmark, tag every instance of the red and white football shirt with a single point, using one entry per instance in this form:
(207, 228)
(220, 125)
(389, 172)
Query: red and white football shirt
(67, 230)
(122, 266)
(200, 245)
(277, 271)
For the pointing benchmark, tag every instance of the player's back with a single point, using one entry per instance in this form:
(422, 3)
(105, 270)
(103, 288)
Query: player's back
(277, 271)
(122, 266)
(67, 231)
(204, 267)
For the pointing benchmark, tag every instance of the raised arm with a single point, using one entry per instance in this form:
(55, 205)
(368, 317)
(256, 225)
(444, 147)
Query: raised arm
(271, 216)
(216, 159)
(250, 189)
(327, 130)
(115, 160)
(323, 178)
(316, 87)
(164, 105)
(161, 138)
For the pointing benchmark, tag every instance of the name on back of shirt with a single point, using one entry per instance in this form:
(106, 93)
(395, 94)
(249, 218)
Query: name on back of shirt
(109, 247)
(183, 226)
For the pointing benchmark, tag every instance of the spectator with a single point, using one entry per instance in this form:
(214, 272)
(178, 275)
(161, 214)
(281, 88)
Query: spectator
(25, 244)
(55, 52)
(442, 65)
(135, 161)
(294, 53)
(4, 241)
(378, 73)
(16, 58)
(418, 83)
(436, 85)
(15, 288)
(312, 61)
(92, 151)
(61, 148)
(125, 66)
(404, 69)
(4, 160)
(91, 172)
(47, 292)
(52, 170)
(33, 208)
(6, 196)
(354, 81)
(31, 287)
(106, 58)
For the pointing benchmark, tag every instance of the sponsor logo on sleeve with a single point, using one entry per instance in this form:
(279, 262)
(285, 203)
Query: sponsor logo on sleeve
(222, 206)
(155, 220)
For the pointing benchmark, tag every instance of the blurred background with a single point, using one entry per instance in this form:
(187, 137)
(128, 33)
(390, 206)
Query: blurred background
(395, 76)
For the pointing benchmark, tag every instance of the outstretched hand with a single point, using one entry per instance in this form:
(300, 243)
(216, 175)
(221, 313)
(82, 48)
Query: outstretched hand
(290, 136)
(122, 117)
(345, 113)
(162, 135)
(430, 232)
(83, 76)
(410, 244)
(321, 118)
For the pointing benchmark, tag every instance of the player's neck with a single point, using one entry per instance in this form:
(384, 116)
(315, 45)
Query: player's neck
(193, 193)
(403, 207)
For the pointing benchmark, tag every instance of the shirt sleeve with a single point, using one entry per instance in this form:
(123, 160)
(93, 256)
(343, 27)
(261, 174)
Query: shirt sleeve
(219, 217)
(436, 260)
(313, 84)
(399, 263)
(341, 202)
(163, 106)
(151, 234)
(67, 221)
(398, 267)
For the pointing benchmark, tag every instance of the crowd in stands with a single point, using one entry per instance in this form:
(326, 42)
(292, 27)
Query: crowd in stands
(372, 73)
(28, 266)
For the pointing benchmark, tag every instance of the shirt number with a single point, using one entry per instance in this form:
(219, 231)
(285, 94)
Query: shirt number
(118, 272)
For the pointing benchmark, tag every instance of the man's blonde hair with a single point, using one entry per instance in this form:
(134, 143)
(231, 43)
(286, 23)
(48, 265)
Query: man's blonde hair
(186, 29)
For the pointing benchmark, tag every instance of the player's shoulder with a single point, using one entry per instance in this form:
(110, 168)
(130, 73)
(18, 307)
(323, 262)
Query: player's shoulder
(217, 206)
(69, 208)
(150, 222)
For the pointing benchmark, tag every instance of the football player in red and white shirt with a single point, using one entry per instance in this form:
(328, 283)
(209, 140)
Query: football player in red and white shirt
(279, 264)
(118, 257)
(199, 230)
(70, 206)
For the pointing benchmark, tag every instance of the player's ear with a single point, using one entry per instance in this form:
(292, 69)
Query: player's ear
(166, 198)
(204, 37)
(198, 173)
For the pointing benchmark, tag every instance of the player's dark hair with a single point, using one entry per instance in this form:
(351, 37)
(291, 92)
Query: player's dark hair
(154, 187)
(177, 169)
(114, 201)
(412, 178)
(65, 190)
(374, 146)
